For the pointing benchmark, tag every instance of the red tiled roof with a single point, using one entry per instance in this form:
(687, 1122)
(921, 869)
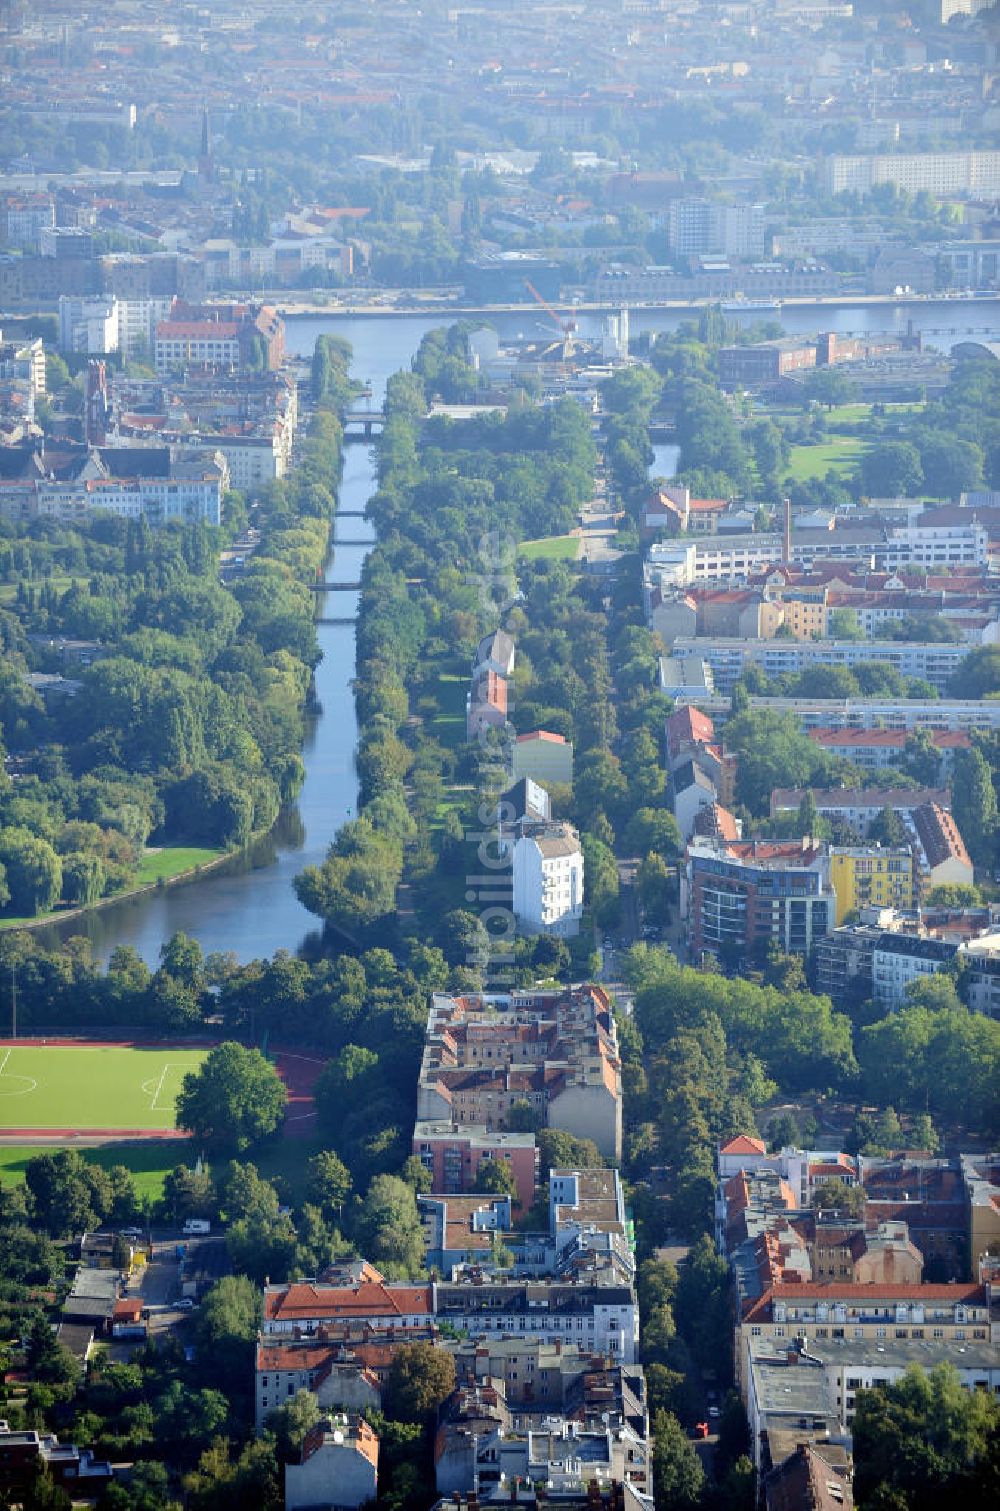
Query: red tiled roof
(542, 734)
(197, 330)
(743, 1144)
(368, 1299)
(834, 1291)
(689, 723)
(889, 739)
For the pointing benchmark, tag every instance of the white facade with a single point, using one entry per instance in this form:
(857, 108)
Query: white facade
(548, 882)
(937, 546)
(338, 1471)
(159, 500)
(137, 322)
(729, 657)
(698, 225)
(88, 325)
(898, 960)
(937, 172)
(252, 460)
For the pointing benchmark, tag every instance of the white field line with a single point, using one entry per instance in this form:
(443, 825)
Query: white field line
(159, 1087)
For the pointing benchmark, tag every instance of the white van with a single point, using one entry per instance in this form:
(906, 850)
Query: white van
(196, 1225)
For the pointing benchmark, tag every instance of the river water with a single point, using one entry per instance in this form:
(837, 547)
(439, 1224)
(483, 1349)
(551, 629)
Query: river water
(248, 906)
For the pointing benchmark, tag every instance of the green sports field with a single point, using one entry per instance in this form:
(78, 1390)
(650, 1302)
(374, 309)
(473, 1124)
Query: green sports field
(78, 1087)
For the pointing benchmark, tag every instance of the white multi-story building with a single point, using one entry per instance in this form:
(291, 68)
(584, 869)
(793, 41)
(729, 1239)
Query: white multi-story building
(88, 325)
(729, 657)
(697, 225)
(27, 216)
(192, 499)
(137, 322)
(548, 881)
(25, 361)
(934, 547)
(873, 713)
(937, 172)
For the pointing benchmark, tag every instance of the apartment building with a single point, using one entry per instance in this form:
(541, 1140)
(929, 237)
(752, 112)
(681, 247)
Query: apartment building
(899, 959)
(729, 657)
(942, 173)
(219, 335)
(696, 226)
(601, 1318)
(885, 749)
(858, 806)
(193, 496)
(343, 1364)
(557, 1052)
(548, 880)
(837, 1310)
(803, 1390)
(544, 757)
(741, 898)
(588, 1231)
(453, 1153)
(871, 877)
(880, 714)
(356, 1293)
(337, 1465)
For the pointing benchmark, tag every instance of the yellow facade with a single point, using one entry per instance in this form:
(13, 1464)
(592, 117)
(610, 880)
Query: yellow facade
(871, 879)
(805, 619)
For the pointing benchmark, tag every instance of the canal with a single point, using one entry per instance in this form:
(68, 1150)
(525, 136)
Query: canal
(248, 906)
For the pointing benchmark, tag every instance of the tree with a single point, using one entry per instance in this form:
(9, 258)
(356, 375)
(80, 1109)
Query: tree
(66, 1192)
(887, 829)
(522, 1117)
(558, 1150)
(226, 1327)
(494, 1178)
(221, 1484)
(837, 1196)
(891, 469)
(921, 758)
(830, 386)
(974, 804)
(925, 1442)
(678, 1478)
(235, 1099)
(388, 1227)
(420, 1378)
(329, 1182)
(290, 1423)
(950, 464)
(843, 624)
(33, 872)
(978, 676)
(189, 1193)
(923, 1134)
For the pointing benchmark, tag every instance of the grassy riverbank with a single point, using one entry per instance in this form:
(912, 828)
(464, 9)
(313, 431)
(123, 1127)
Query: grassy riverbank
(168, 863)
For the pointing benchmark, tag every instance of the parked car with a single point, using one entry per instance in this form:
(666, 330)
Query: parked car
(185, 1304)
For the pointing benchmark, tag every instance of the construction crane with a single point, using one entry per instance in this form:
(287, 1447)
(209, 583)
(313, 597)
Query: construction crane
(567, 327)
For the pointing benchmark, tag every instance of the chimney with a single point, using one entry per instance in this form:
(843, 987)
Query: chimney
(788, 532)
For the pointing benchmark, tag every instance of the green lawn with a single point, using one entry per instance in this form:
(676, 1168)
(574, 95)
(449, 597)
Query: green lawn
(842, 454)
(448, 724)
(551, 548)
(172, 860)
(156, 865)
(79, 1087)
(148, 1162)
